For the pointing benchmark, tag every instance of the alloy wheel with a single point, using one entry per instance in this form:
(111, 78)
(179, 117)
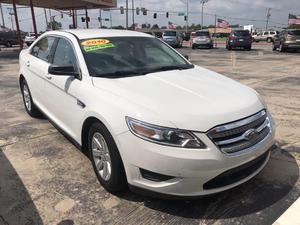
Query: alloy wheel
(101, 156)
(27, 98)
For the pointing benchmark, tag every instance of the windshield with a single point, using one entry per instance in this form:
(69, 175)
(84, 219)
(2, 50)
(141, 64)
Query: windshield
(201, 34)
(294, 32)
(170, 33)
(130, 56)
(242, 33)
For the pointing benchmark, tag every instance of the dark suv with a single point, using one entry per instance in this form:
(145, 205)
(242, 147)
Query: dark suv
(287, 39)
(239, 39)
(9, 38)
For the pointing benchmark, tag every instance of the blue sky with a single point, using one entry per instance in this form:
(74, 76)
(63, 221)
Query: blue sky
(244, 10)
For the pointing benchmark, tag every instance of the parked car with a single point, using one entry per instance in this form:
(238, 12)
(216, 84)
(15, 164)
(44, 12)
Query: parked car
(267, 36)
(29, 38)
(9, 38)
(173, 38)
(144, 115)
(202, 39)
(239, 39)
(287, 39)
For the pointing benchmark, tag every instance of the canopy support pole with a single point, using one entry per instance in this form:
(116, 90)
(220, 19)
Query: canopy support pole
(17, 24)
(33, 19)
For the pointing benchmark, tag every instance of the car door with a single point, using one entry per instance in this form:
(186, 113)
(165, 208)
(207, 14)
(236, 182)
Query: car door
(64, 107)
(36, 69)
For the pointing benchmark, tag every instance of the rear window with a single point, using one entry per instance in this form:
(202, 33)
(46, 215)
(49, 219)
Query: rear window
(242, 33)
(170, 33)
(199, 34)
(294, 32)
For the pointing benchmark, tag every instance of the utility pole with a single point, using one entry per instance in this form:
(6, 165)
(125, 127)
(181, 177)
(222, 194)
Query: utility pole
(126, 14)
(1, 11)
(11, 19)
(110, 18)
(86, 18)
(187, 15)
(133, 24)
(215, 30)
(100, 17)
(51, 19)
(268, 17)
(202, 2)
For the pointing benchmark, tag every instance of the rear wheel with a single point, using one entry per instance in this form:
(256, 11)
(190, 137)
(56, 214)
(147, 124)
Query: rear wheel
(269, 40)
(106, 159)
(274, 48)
(30, 107)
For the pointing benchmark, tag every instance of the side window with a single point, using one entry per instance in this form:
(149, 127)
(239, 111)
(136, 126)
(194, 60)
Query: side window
(266, 33)
(42, 49)
(64, 54)
(272, 32)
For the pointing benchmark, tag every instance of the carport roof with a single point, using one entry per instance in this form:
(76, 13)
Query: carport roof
(67, 4)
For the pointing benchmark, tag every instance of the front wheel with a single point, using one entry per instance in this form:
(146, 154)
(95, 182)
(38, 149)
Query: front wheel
(274, 48)
(8, 44)
(30, 107)
(106, 159)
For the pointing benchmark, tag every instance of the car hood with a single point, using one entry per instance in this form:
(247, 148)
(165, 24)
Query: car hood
(194, 99)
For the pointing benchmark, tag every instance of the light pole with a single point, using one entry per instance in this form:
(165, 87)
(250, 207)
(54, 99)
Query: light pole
(202, 2)
(187, 15)
(133, 24)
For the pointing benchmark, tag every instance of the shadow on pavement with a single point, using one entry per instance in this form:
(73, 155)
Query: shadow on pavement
(16, 205)
(257, 196)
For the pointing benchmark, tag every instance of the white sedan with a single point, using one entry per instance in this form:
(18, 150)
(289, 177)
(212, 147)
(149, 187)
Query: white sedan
(146, 116)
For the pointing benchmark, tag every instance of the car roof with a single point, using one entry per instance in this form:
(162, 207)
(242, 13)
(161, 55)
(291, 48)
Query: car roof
(96, 33)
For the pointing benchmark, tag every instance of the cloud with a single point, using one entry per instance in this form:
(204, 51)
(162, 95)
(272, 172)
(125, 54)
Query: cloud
(228, 9)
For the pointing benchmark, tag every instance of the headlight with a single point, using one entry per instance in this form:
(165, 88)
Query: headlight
(163, 135)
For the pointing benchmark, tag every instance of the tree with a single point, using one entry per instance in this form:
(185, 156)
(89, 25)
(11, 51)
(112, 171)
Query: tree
(54, 25)
(294, 26)
(155, 27)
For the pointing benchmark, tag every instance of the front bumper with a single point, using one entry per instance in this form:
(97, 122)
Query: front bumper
(190, 169)
(292, 44)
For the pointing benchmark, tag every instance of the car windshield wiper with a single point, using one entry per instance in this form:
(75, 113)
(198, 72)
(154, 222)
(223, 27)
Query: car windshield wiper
(172, 67)
(121, 73)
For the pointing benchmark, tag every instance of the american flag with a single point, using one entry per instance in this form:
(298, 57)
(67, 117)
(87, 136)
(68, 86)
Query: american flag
(294, 19)
(172, 25)
(223, 23)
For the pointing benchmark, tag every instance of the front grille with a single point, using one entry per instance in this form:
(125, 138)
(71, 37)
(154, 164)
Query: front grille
(240, 135)
(236, 174)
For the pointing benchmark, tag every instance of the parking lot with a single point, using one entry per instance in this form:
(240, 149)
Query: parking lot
(47, 180)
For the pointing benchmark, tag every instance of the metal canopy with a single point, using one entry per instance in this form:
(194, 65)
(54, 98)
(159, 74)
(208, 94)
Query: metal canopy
(66, 4)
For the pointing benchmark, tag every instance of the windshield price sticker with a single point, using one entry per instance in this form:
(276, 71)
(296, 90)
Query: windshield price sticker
(93, 42)
(98, 47)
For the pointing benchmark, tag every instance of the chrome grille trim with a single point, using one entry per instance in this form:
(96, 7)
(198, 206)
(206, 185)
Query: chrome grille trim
(237, 137)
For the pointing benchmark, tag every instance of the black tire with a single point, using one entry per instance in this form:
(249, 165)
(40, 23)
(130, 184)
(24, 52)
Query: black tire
(269, 40)
(8, 44)
(193, 47)
(274, 48)
(249, 48)
(229, 48)
(29, 105)
(117, 181)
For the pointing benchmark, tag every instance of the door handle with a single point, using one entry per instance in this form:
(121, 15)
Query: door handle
(28, 64)
(48, 76)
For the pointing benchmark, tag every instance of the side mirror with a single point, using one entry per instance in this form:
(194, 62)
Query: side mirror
(186, 56)
(63, 70)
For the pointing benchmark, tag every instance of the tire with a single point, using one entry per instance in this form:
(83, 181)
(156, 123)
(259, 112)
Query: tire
(30, 107)
(269, 40)
(229, 48)
(106, 159)
(193, 47)
(8, 44)
(249, 48)
(274, 48)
